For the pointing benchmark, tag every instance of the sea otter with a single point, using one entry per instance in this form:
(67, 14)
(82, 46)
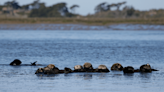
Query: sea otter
(102, 68)
(88, 67)
(50, 69)
(40, 70)
(117, 67)
(16, 62)
(128, 69)
(67, 70)
(78, 68)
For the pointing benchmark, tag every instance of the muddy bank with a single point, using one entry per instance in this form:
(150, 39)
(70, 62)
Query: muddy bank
(79, 27)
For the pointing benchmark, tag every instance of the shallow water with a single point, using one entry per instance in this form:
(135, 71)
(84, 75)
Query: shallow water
(70, 48)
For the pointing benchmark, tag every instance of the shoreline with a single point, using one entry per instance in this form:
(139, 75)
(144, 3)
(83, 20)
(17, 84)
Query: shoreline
(50, 26)
(83, 21)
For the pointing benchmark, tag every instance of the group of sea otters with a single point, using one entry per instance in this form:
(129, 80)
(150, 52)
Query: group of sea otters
(87, 67)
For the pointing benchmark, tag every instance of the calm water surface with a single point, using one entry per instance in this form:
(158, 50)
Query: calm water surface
(70, 48)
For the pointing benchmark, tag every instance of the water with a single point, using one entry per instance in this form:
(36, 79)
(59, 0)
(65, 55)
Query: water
(70, 48)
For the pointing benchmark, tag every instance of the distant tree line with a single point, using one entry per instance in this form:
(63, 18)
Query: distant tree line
(40, 10)
(56, 10)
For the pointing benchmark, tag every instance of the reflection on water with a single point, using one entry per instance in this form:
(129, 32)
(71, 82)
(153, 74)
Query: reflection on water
(67, 49)
(129, 76)
(145, 76)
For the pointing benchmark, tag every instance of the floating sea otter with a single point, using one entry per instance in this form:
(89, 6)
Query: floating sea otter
(146, 68)
(78, 68)
(102, 68)
(128, 69)
(40, 70)
(88, 67)
(50, 69)
(117, 67)
(67, 70)
(16, 62)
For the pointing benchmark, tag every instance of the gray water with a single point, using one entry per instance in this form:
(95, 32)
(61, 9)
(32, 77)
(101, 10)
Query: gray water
(70, 48)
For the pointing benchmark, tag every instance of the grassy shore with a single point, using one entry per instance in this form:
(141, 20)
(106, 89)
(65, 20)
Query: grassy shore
(87, 21)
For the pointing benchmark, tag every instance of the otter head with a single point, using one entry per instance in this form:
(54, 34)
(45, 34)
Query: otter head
(77, 67)
(87, 65)
(40, 70)
(117, 66)
(51, 66)
(102, 67)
